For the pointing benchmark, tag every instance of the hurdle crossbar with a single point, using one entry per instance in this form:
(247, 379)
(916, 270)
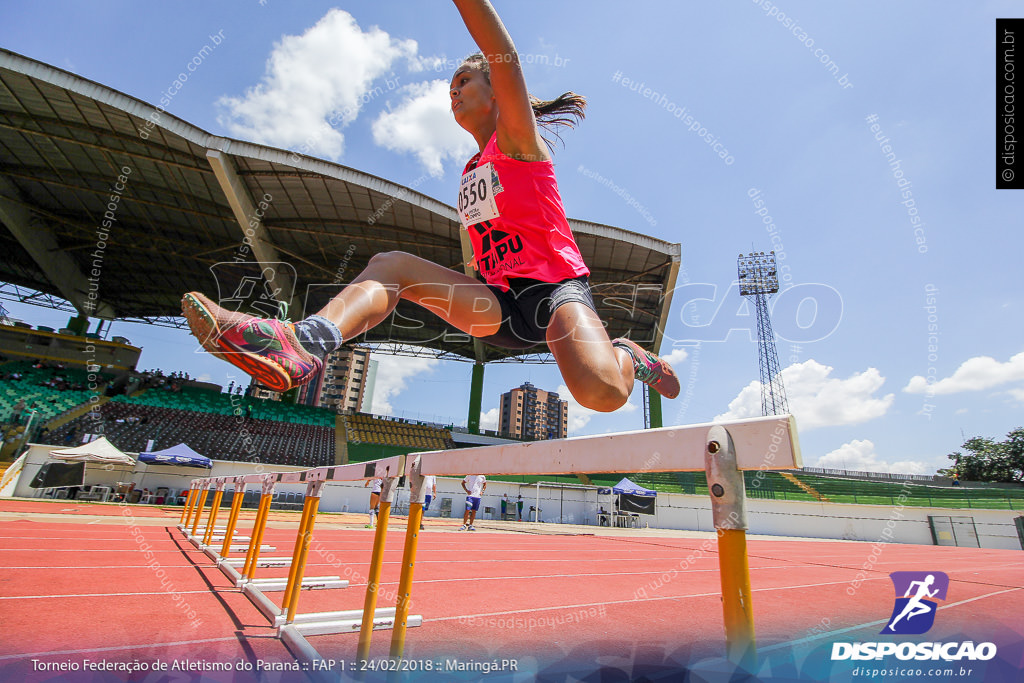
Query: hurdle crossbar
(666, 449)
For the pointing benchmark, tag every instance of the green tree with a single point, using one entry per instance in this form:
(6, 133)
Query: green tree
(988, 460)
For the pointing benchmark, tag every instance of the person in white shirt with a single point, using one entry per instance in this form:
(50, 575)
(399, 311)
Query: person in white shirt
(374, 498)
(474, 485)
(430, 486)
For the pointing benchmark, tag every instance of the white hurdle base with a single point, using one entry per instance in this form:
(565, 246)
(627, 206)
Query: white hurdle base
(262, 562)
(308, 583)
(294, 635)
(261, 601)
(215, 547)
(348, 621)
(254, 590)
(229, 571)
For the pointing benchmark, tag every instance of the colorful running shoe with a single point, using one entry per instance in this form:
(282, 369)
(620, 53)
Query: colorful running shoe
(470, 528)
(265, 348)
(650, 369)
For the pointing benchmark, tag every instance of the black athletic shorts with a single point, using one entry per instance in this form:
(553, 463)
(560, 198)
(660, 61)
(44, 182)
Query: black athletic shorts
(527, 307)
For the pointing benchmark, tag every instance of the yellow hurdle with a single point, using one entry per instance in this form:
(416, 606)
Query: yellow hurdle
(191, 506)
(252, 536)
(218, 496)
(296, 552)
(729, 512)
(199, 509)
(291, 595)
(264, 501)
(373, 582)
(236, 508)
(257, 535)
(733, 566)
(189, 499)
(405, 582)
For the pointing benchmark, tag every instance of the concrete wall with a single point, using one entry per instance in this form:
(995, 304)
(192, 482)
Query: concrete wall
(870, 523)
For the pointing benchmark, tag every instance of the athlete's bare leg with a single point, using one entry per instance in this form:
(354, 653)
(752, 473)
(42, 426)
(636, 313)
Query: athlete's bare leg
(390, 276)
(598, 375)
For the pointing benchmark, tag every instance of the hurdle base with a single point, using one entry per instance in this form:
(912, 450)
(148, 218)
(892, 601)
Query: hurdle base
(229, 571)
(197, 541)
(308, 583)
(348, 621)
(254, 591)
(261, 601)
(298, 645)
(262, 562)
(245, 548)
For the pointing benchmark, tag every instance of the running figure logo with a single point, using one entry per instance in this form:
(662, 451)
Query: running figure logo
(914, 613)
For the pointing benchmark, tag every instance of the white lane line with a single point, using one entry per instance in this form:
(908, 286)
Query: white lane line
(707, 595)
(630, 602)
(113, 566)
(352, 564)
(104, 595)
(64, 653)
(559, 576)
(95, 550)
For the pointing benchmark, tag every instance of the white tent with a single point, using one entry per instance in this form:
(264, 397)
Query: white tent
(99, 450)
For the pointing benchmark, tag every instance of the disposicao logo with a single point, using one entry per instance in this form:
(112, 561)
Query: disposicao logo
(914, 611)
(917, 600)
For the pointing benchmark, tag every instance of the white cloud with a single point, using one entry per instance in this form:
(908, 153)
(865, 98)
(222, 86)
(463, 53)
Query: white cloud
(489, 419)
(312, 81)
(579, 417)
(676, 356)
(818, 400)
(859, 455)
(422, 124)
(393, 375)
(974, 374)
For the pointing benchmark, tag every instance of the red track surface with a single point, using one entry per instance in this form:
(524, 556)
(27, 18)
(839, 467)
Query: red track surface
(76, 589)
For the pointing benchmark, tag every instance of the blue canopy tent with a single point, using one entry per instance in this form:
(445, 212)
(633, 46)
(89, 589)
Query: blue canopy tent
(176, 455)
(634, 499)
(628, 487)
(181, 456)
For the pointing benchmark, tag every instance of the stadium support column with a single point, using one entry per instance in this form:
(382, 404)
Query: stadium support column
(654, 406)
(38, 238)
(252, 222)
(476, 394)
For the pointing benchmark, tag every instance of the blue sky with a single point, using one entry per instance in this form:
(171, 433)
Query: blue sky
(884, 231)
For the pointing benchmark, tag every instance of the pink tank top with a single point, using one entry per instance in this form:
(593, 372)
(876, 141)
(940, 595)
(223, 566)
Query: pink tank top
(516, 220)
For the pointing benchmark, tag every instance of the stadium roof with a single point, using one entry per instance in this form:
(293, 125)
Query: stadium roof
(119, 207)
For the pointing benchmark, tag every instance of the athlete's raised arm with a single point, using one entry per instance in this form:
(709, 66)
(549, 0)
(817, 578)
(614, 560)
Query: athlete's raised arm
(516, 123)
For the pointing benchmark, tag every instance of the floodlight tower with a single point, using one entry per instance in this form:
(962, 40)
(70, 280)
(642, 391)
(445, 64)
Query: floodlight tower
(759, 279)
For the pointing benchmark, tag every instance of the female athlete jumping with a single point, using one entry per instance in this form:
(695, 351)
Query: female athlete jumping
(534, 288)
